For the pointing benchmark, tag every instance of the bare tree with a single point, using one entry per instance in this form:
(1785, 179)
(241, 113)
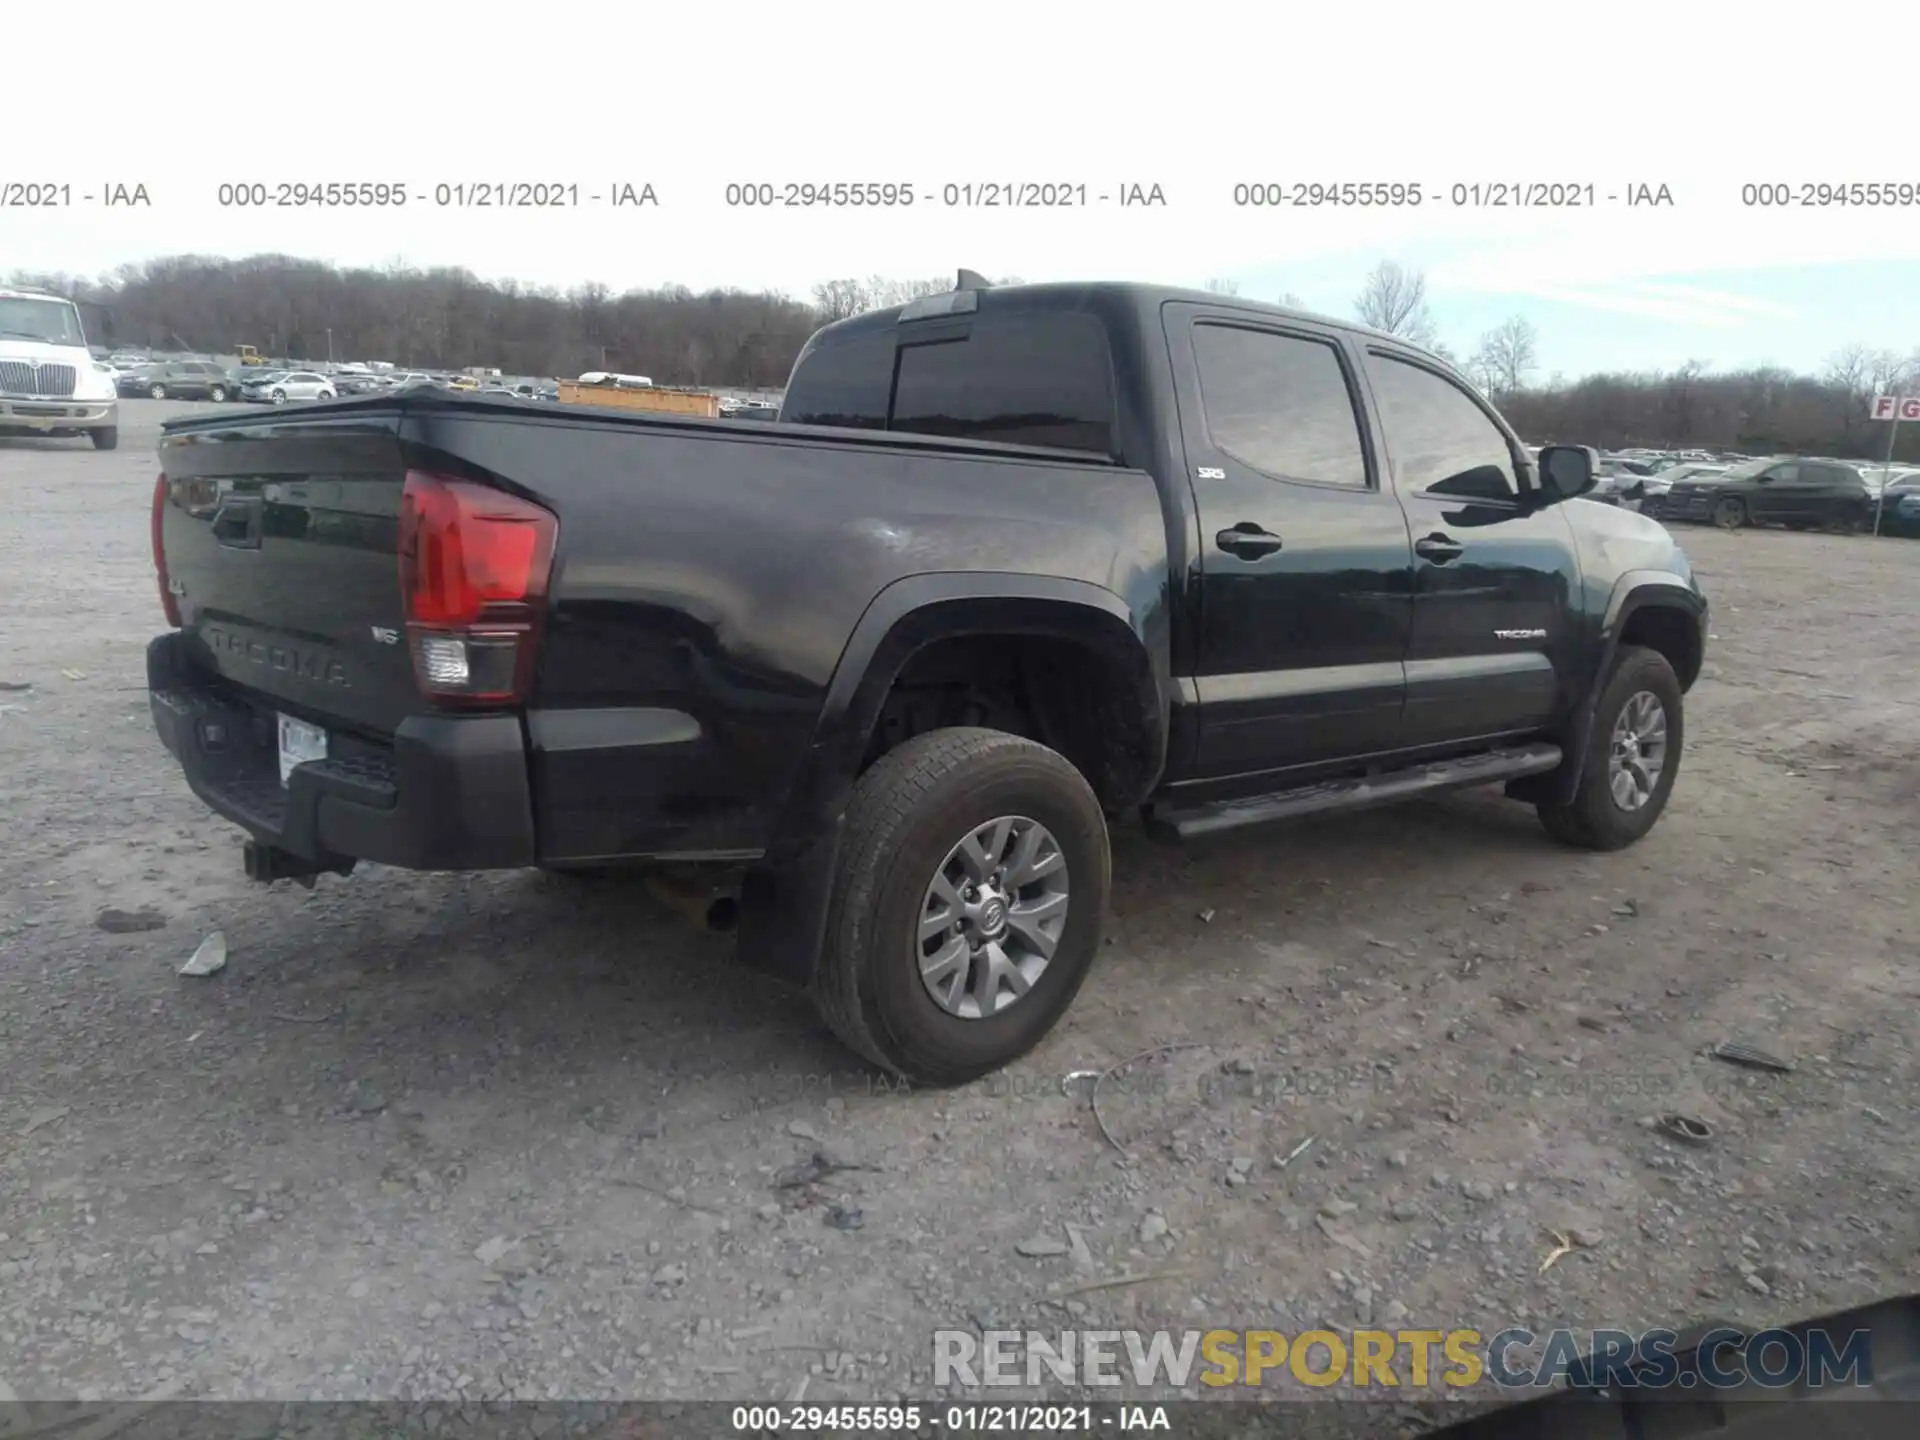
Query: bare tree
(882, 292)
(840, 300)
(1292, 300)
(1888, 371)
(1221, 285)
(1394, 299)
(1850, 373)
(446, 318)
(1508, 354)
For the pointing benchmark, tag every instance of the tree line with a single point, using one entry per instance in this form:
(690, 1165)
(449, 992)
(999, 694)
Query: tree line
(448, 318)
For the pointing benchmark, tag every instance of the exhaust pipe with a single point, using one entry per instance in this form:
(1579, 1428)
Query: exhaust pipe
(696, 902)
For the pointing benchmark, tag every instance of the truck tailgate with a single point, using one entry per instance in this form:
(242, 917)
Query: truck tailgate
(281, 552)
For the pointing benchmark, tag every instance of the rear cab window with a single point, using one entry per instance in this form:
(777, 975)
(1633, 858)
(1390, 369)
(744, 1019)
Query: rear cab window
(1023, 377)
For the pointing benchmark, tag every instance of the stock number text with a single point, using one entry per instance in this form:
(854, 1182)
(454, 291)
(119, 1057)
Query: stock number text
(1865, 194)
(1360, 194)
(312, 195)
(827, 194)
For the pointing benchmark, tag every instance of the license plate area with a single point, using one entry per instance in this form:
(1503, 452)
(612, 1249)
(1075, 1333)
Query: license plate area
(299, 743)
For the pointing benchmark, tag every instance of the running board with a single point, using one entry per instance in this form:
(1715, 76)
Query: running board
(1382, 788)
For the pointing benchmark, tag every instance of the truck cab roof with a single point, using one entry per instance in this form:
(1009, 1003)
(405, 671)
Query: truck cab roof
(1108, 295)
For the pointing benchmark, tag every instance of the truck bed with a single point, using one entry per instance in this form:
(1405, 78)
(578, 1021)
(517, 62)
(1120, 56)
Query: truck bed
(706, 580)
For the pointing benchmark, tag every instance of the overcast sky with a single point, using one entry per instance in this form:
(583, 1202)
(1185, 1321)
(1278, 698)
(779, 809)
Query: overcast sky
(1194, 100)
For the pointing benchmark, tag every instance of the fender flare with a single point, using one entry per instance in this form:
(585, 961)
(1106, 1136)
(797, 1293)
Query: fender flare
(1635, 590)
(785, 897)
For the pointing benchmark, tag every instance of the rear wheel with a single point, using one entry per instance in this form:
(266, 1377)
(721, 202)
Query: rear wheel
(105, 439)
(156, 392)
(1633, 755)
(967, 907)
(1730, 514)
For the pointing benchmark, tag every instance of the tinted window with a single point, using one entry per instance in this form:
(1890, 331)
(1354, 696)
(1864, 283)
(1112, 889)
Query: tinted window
(845, 384)
(1279, 404)
(1789, 473)
(1441, 440)
(1026, 379)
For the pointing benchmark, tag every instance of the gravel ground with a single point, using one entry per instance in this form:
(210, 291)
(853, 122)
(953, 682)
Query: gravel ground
(434, 1136)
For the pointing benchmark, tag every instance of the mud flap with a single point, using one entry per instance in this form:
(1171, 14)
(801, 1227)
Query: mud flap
(783, 909)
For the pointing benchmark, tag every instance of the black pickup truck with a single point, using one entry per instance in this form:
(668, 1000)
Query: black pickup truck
(1013, 562)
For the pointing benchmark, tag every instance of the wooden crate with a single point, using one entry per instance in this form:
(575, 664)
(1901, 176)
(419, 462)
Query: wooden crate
(655, 398)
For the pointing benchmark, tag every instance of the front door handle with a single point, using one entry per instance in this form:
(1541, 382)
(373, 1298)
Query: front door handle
(1438, 548)
(1248, 540)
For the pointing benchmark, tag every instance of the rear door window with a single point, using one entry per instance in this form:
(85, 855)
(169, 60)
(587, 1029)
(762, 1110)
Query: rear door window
(1280, 404)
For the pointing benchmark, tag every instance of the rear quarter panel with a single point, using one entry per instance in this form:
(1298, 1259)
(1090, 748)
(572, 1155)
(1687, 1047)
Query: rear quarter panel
(717, 572)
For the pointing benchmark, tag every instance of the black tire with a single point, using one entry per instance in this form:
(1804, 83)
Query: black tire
(218, 394)
(1595, 820)
(907, 812)
(106, 439)
(1731, 514)
(279, 397)
(156, 392)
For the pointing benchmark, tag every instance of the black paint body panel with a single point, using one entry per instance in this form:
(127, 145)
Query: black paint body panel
(730, 601)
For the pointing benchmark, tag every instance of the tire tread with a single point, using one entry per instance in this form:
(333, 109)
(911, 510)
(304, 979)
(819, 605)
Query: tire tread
(884, 802)
(1591, 821)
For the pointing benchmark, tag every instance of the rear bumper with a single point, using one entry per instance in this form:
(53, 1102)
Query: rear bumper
(449, 793)
(40, 416)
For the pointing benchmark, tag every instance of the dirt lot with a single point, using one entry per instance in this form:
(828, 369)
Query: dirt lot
(512, 1134)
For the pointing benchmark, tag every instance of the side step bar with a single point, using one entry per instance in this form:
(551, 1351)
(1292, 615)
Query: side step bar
(1384, 787)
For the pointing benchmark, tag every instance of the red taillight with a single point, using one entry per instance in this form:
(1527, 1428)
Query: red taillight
(162, 492)
(474, 564)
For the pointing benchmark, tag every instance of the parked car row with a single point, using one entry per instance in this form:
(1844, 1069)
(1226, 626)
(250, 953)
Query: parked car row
(1799, 492)
(141, 377)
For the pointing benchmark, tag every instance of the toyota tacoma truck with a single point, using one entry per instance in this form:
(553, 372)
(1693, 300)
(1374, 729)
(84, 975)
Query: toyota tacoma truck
(1013, 564)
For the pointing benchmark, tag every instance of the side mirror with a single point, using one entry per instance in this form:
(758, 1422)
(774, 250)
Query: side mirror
(1566, 471)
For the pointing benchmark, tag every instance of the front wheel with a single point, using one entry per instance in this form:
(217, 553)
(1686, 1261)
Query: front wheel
(1730, 514)
(967, 905)
(218, 394)
(156, 392)
(106, 438)
(279, 397)
(1633, 755)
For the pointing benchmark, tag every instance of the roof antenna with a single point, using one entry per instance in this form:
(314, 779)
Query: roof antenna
(972, 280)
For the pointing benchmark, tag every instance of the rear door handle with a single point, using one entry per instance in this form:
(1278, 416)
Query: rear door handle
(1438, 548)
(1248, 540)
